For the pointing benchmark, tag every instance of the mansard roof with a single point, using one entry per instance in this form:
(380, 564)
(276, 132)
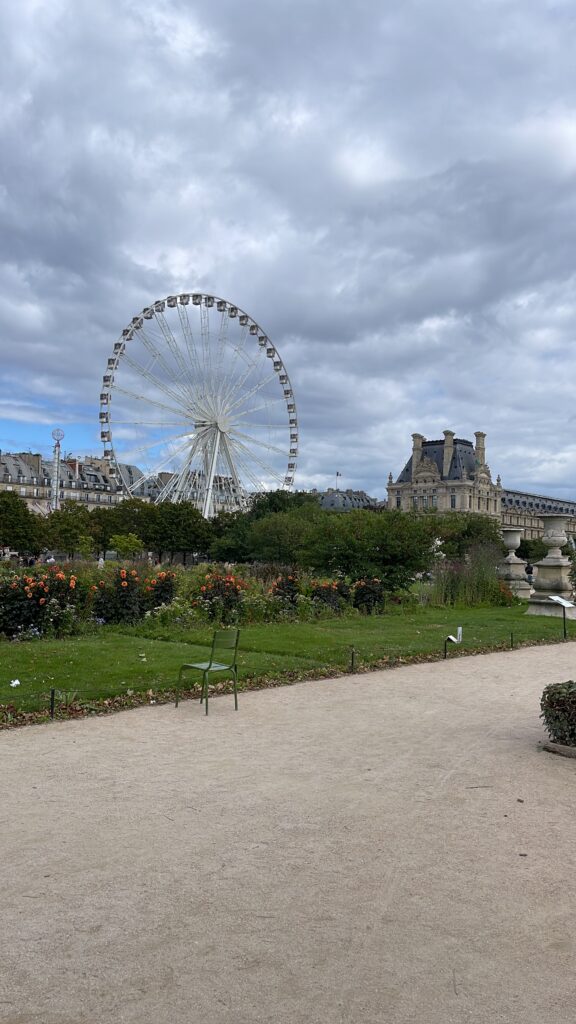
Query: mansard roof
(463, 462)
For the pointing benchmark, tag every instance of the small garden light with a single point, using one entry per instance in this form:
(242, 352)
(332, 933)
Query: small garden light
(453, 640)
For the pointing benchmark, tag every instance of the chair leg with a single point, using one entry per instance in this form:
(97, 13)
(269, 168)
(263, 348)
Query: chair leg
(205, 688)
(235, 675)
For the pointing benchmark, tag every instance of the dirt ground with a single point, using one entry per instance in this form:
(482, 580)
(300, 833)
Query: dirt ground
(392, 848)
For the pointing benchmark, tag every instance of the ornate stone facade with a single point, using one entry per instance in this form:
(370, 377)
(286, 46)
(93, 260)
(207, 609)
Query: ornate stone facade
(452, 475)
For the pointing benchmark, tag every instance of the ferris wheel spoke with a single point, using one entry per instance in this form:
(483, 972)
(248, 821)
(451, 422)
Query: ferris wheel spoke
(230, 381)
(221, 343)
(150, 445)
(152, 473)
(246, 472)
(236, 385)
(156, 382)
(261, 444)
(142, 398)
(261, 408)
(191, 347)
(239, 446)
(151, 423)
(253, 391)
(172, 344)
(152, 347)
(231, 467)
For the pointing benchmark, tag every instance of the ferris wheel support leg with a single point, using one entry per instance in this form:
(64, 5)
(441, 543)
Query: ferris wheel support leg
(233, 473)
(210, 477)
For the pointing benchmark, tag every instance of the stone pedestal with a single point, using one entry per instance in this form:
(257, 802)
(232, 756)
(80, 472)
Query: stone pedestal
(512, 571)
(553, 572)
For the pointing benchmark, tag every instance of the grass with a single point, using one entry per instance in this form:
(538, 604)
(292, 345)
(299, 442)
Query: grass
(117, 661)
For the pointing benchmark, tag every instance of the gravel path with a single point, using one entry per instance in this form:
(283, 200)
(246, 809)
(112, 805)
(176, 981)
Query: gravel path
(392, 848)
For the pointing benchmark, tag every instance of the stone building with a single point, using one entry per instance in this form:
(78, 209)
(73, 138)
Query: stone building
(345, 501)
(452, 475)
(85, 481)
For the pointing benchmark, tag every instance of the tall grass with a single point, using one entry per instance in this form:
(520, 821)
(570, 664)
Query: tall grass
(473, 581)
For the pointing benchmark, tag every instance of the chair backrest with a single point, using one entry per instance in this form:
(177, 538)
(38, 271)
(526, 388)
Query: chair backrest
(225, 645)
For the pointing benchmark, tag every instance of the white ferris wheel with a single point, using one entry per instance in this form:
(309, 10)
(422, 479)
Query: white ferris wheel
(196, 395)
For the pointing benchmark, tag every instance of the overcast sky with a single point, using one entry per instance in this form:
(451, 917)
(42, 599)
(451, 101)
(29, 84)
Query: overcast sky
(388, 189)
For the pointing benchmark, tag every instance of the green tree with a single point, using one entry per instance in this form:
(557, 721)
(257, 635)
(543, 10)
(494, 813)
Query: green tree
(460, 533)
(230, 537)
(86, 546)
(20, 529)
(280, 537)
(66, 526)
(179, 528)
(279, 501)
(390, 544)
(136, 516)
(126, 545)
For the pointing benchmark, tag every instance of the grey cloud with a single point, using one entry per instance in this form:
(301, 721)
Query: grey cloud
(391, 195)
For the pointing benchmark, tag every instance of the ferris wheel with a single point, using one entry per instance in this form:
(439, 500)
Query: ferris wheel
(197, 405)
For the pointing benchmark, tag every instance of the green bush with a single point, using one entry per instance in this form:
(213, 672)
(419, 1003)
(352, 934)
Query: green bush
(334, 594)
(368, 595)
(558, 705)
(286, 590)
(222, 597)
(472, 581)
(42, 602)
(119, 598)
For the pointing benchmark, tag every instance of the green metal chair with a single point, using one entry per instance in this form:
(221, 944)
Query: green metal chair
(223, 658)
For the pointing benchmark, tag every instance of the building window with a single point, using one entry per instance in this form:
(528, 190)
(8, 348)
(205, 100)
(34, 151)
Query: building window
(434, 500)
(414, 501)
(452, 501)
(478, 504)
(398, 501)
(424, 501)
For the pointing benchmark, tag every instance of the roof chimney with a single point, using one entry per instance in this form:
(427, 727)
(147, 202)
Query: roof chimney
(448, 452)
(417, 441)
(480, 447)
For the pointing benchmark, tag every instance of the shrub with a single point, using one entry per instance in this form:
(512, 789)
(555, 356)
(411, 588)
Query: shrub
(368, 595)
(473, 581)
(159, 589)
(118, 599)
(285, 589)
(558, 705)
(42, 603)
(222, 597)
(335, 594)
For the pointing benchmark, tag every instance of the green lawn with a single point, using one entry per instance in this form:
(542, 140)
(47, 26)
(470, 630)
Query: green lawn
(117, 661)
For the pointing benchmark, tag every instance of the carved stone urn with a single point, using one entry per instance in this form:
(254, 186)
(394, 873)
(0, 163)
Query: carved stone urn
(553, 571)
(512, 570)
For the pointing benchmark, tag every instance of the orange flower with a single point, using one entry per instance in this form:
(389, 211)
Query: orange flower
(133, 573)
(60, 576)
(42, 600)
(14, 586)
(123, 573)
(153, 582)
(28, 595)
(203, 588)
(93, 588)
(102, 584)
(124, 584)
(72, 584)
